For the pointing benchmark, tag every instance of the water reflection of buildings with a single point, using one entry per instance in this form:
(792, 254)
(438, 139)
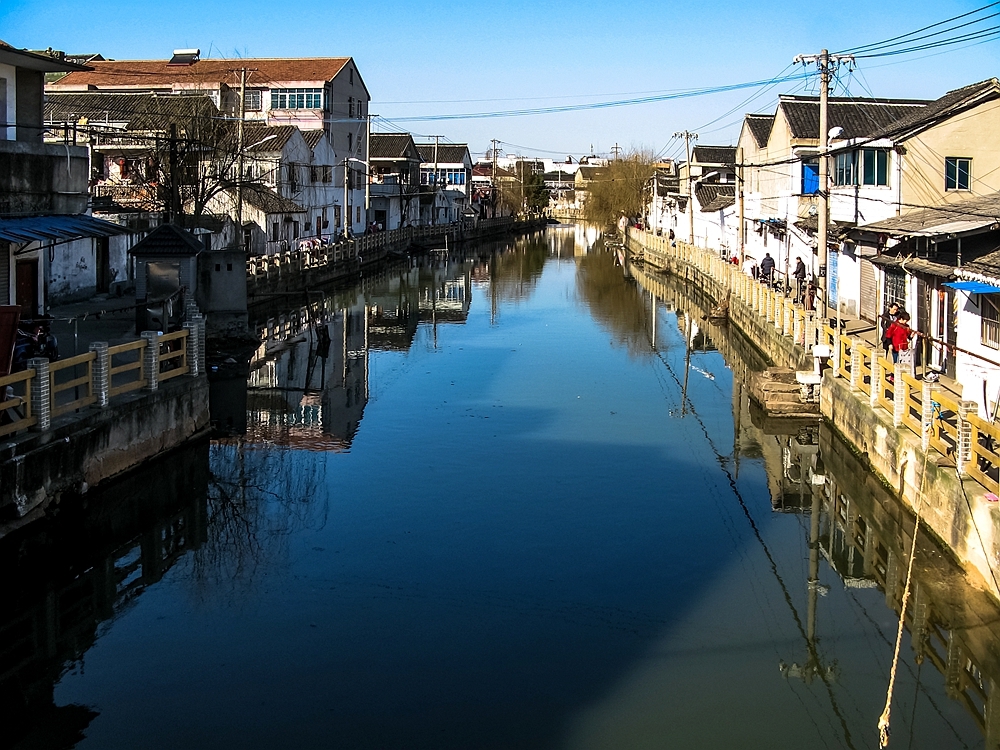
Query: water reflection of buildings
(861, 531)
(308, 384)
(69, 575)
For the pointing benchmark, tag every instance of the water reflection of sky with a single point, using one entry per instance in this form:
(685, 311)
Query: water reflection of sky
(531, 542)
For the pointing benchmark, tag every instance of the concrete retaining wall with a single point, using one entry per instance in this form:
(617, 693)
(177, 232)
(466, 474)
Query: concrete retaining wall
(82, 450)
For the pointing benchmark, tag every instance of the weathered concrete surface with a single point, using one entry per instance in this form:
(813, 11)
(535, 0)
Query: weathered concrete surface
(776, 389)
(955, 510)
(82, 450)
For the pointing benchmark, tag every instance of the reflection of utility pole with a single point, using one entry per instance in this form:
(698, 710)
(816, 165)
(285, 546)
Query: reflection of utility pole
(687, 362)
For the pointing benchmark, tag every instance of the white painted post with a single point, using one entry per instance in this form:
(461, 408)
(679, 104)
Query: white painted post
(898, 396)
(926, 415)
(855, 363)
(963, 452)
(41, 389)
(101, 372)
(151, 360)
(199, 320)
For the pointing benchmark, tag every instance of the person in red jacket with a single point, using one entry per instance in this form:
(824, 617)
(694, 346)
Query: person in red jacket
(898, 335)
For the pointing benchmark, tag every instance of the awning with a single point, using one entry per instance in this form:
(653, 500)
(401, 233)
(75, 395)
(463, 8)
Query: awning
(975, 287)
(58, 227)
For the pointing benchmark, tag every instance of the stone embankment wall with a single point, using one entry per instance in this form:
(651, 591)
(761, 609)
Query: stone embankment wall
(83, 449)
(953, 505)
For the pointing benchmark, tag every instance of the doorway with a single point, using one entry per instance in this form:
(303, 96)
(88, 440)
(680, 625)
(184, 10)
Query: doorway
(103, 265)
(26, 287)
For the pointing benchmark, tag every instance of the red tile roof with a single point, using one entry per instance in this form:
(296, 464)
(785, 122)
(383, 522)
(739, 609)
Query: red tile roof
(111, 74)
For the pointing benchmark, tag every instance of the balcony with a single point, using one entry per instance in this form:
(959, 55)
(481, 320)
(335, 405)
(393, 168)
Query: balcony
(43, 178)
(124, 194)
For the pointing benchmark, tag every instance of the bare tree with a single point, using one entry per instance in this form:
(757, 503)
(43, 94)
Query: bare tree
(621, 188)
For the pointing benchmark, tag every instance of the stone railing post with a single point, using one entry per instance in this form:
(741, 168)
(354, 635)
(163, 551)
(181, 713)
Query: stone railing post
(199, 320)
(898, 396)
(191, 344)
(788, 323)
(151, 360)
(926, 414)
(768, 304)
(877, 386)
(41, 390)
(810, 330)
(963, 452)
(855, 363)
(101, 370)
(797, 321)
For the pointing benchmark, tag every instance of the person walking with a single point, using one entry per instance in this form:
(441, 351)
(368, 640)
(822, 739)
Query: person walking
(767, 268)
(899, 335)
(800, 278)
(887, 319)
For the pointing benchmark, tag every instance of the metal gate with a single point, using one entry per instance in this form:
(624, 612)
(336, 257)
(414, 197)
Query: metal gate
(869, 292)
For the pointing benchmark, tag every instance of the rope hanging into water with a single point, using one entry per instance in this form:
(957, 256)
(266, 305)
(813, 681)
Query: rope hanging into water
(883, 721)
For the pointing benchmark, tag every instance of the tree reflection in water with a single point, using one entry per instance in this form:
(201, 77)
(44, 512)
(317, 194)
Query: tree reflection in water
(619, 308)
(516, 271)
(258, 497)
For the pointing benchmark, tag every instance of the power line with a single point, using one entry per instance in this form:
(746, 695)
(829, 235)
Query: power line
(868, 47)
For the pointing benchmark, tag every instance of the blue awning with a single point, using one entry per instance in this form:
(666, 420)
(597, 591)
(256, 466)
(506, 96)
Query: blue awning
(57, 227)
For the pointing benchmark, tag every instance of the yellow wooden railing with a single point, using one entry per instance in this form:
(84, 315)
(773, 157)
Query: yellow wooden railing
(72, 385)
(984, 460)
(16, 407)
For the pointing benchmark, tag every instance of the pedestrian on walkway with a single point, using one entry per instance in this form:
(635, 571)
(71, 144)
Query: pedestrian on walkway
(767, 268)
(899, 334)
(800, 278)
(888, 318)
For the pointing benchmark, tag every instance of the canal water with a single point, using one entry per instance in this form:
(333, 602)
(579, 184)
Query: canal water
(516, 498)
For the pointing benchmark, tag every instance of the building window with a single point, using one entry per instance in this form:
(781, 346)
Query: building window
(297, 99)
(845, 170)
(350, 106)
(957, 171)
(868, 166)
(293, 181)
(327, 173)
(895, 288)
(350, 142)
(810, 177)
(989, 311)
(252, 101)
(275, 228)
(295, 230)
(313, 173)
(358, 220)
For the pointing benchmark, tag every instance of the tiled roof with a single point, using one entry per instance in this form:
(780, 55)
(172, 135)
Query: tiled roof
(713, 155)
(142, 112)
(313, 137)
(168, 239)
(447, 153)
(265, 139)
(973, 213)
(859, 118)
(948, 105)
(760, 128)
(714, 196)
(266, 200)
(392, 146)
(153, 73)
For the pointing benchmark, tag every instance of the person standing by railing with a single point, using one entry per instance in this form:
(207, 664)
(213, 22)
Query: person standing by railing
(767, 269)
(800, 279)
(899, 335)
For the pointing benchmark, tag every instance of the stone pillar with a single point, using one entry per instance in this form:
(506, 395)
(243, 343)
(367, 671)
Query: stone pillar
(199, 320)
(963, 453)
(151, 360)
(810, 330)
(876, 384)
(101, 372)
(768, 304)
(193, 359)
(855, 363)
(898, 396)
(926, 415)
(788, 324)
(797, 327)
(41, 390)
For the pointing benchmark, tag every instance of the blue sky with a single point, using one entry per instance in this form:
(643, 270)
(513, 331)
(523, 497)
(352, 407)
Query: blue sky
(418, 58)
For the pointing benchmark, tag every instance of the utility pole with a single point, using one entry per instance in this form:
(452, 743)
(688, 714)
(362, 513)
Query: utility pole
(495, 192)
(688, 137)
(240, 175)
(434, 198)
(175, 189)
(616, 151)
(368, 167)
(739, 195)
(824, 63)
